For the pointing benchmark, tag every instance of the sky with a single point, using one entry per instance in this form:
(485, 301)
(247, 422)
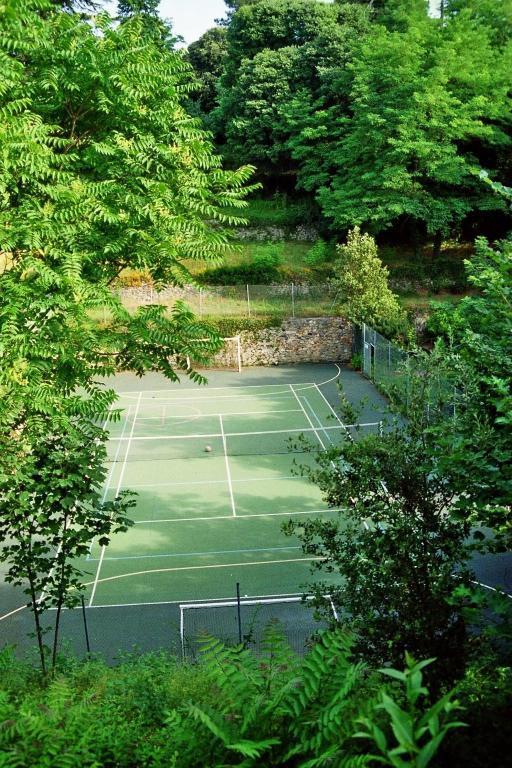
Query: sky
(193, 17)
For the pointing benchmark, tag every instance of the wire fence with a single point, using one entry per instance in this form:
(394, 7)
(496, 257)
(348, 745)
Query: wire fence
(389, 367)
(279, 300)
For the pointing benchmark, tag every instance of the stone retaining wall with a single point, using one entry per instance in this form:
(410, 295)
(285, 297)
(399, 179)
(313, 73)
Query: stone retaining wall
(299, 340)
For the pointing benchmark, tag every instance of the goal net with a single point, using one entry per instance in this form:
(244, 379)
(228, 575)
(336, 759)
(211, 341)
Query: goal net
(230, 621)
(228, 358)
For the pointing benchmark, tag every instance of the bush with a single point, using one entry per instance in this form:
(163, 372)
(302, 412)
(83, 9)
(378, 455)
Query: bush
(280, 211)
(319, 254)
(262, 270)
(231, 708)
(232, 326)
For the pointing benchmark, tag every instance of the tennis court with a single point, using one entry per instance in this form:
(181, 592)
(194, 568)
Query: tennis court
(215, 473)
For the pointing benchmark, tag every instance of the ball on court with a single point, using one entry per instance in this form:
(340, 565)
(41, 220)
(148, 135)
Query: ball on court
(207, 449)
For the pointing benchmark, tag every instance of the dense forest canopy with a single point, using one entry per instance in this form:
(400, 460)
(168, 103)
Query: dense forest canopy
(382, 114)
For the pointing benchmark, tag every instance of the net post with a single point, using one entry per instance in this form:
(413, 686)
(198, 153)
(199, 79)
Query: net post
(248, 300)
(239, 354)
(86, 631)
(182, 633)
(239, 613)
(293, 300)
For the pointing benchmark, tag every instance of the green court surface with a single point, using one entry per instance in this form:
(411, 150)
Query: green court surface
(215, 470)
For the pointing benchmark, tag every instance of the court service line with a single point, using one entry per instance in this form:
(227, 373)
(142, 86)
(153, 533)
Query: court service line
(206, 567)
(215, 389)
(232, 396)
(201, 603)
(307, 417)
(317, 419)
(228, 470)
(239, 516)
(119, 485)
(110, 474)
(224, 413)
(213, 482)
(202, 554)
(246, 434)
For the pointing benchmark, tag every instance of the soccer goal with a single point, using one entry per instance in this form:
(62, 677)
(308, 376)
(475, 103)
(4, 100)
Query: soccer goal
(229, 357)
(235, 622)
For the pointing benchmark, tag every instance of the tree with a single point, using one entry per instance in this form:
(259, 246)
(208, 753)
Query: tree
(361, 281)
(480, 444)
(426, 104)
(52, 507)
(277, 51)
(101, 169)
(397, 553)
(207, 56)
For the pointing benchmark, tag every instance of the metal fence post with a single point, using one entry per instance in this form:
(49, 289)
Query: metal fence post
(293, 299)
(248, 301)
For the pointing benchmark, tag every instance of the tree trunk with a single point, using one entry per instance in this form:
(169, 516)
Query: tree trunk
(436, 245)
(37, 619)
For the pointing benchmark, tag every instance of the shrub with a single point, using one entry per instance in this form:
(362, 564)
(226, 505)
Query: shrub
(362, 283)
(262, 270)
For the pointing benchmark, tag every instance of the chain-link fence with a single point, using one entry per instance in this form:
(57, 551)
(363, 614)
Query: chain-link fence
(278, 300)
(389, 366)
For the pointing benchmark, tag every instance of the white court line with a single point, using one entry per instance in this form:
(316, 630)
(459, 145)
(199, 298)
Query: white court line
(307, 417)
(216, 389)
(213, 482)
(121, 475)
(246, 434)
(316, 416)
(212, 415)
(240, 517)
(201, 602)
(110, 474)
(214, 398)
(202, 554)
(206, 567)
(345, 426)
(228, 471)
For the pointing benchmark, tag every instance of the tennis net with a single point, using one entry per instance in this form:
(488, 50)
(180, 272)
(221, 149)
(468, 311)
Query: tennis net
(208, 445)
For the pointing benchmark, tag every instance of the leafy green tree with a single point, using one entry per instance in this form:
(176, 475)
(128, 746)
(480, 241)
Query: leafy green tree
(427, 105)
(397, 552)
(277, 51)
(207, 56)
(480, 329)
(361, 281)
(51, 508)
(101, 169)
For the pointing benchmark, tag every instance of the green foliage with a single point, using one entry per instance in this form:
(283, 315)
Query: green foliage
(320, 253)
(101, 169)
(479, 328)
(418, 735)
(404, 122)
(280, 211)
(361, 281)
(207, 56)
(396, 549)
(231, 708)
(262, 270)
(232, 326)
(277, 50)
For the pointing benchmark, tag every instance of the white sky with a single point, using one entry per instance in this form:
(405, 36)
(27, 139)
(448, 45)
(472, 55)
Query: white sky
(193, 17)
